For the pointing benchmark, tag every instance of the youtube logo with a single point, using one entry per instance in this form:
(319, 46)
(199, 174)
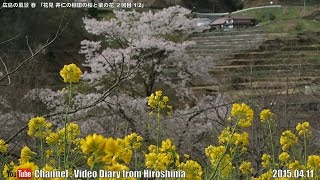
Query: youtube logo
(24, 173)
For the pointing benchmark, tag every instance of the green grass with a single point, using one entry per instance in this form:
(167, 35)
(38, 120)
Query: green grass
(276, 13)
(292, 26)
(287, 19)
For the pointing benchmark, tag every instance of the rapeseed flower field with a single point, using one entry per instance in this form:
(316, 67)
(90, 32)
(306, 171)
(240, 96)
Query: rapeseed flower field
(65, 149)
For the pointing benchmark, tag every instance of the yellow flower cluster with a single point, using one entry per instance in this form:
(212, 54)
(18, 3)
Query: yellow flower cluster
(287, 139)
(295, 165)
(57, 138)
(116, 152)
(265, 176)
(93, 144)
(26, 155)
(158, 102)
(266, 159)
(236, 139)
(3, 146)
(70, 73)
(246, 168)
(284, 157)
(303, 129)
(266, 115)
(72, 131)
(113, 154)
(38, 127)
(193, 170)
(219, 158)
(162, 158)
(313, 162)
(133, 140)
(243, 114)
(214, 152)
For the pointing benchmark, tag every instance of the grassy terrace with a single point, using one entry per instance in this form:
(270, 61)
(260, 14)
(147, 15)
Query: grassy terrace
(282, 13)
(285, 19)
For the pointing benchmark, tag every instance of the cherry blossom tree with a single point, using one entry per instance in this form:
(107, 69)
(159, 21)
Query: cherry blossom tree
(138, 39)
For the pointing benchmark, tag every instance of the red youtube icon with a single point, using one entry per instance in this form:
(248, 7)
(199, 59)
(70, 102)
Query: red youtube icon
(24, 173)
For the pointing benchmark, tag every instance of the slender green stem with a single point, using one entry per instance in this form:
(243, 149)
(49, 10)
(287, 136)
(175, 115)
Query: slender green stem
(135, 159)
(158, 128)
(305, 148)
(41, 148)
(59, 157)
(65, 128)
(94, 162)
(271, 139)
(293, 153)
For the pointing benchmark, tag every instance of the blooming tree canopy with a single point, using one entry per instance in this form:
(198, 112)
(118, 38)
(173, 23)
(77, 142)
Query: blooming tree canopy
(132, 39)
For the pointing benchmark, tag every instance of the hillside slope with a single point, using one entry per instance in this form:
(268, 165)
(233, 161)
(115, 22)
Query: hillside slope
(264, 68)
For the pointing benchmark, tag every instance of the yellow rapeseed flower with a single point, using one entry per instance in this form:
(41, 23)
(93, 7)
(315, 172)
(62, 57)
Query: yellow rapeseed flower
(226, 136)
(3, 146)
(112, 146)
(164, 158)
(152, 148)
(71, 73)
(114, 151)
(266, 159)
(159, 161)
(284, 157)
(106, 151)
(26, 155)
(53, 138)
(240, 140)
(38, 127)
(295, 165)
(243, 114)
(187, 156)
(133, 141)
(49, 153)
(167, 145)
(266, 176)
(193, 170)
(72, 131)
(313, 162)
(303, 129)
(214, 153)
(266, 115)
(116, 167)
(156, 101)
(287, 139)
(246, 168)
(93, 143)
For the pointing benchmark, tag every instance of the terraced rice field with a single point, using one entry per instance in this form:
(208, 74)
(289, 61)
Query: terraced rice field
(248, 64)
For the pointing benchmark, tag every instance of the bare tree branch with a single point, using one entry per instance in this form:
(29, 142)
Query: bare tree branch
(5, 67)
(10, 38)
(58, 33)
(27, 39)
